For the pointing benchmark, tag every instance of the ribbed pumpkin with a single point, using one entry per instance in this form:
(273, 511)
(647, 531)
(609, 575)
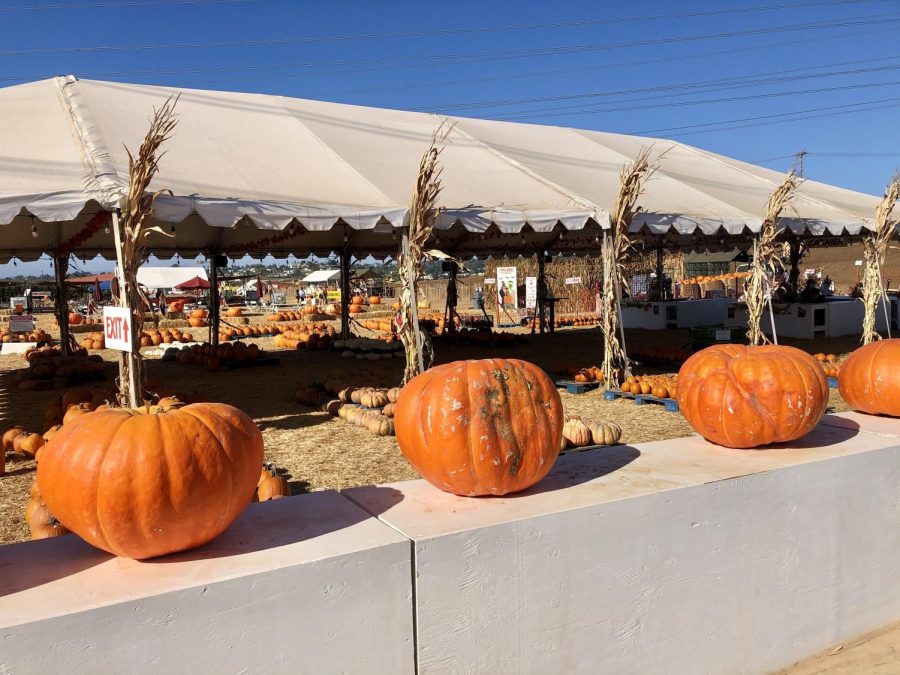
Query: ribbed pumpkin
(746, 397)
(869, 379)
(486, 427)
(143, 485)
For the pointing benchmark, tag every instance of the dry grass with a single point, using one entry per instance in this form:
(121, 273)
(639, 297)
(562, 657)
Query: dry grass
(874, 250)
(319, 451)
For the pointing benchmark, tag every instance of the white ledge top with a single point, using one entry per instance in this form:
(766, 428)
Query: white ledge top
(579, 480)
(52, 577)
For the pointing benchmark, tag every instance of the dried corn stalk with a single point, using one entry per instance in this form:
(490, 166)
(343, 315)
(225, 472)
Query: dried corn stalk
(765, 253)
(422, 216)
(874, 249)
(132, 231)
(616, 247)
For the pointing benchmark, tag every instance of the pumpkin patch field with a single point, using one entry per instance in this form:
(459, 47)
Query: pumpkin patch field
(308, 446)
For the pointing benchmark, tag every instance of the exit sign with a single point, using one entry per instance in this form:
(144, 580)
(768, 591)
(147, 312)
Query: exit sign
(117, 328)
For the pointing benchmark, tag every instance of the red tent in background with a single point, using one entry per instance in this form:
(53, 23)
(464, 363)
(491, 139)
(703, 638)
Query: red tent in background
(195, 284)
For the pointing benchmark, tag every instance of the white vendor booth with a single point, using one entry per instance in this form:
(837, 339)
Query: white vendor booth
(806, 321)
(676, 314)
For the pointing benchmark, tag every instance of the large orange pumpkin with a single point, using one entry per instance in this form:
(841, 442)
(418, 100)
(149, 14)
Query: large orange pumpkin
(869, 380)
(487, 427)
(143, 485)
(745, 397)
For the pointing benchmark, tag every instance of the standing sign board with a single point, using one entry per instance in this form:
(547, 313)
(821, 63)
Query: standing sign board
(117, 328)
(530, 292)
(21, 324)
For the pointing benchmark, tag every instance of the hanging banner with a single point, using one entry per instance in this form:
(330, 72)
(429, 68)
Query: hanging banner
(571, 281)
(507, 289)
(489, 281)
(117, 328)
(530, 292)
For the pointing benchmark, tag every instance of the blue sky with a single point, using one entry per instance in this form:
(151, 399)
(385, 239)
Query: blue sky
(815, 75)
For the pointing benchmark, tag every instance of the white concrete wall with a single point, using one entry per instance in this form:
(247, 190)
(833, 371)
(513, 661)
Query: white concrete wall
(310, 584)
(672, 557)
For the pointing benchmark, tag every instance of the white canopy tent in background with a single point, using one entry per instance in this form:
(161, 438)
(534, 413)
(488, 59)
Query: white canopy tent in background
(167, 277)
(321, 276)
(264, 174)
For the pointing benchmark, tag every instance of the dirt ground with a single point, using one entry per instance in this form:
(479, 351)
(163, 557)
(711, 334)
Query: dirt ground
(877, 653)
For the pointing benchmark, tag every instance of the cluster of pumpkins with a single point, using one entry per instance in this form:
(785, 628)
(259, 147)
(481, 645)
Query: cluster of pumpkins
(71, 404)
(378, 325)
(310, 336)
(579, 433)
(197, 318)
(357, 302)
(214, 357)
(308, 310)
(369, 407)
(271, 485)
(579, 374)
(730, 276)
(829, 364)
(153, 337)
(95, 340)
(49, 369)
(74, 318)
(230, 333)
(41, 523)
(660, 386)
(38, 335)
(587, 319)
(482, 338)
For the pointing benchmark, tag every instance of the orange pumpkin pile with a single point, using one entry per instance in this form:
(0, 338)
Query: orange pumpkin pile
(829, 363)
(153, 337)
(730, 276)
(197, 319)
(39, 335)
(95, 340)
(305, 337)
(661, 386)
(48, 369)
(579, 374)
(585, 319)
(213, 358)
(271, 485)
(304, 314)
(236, 333)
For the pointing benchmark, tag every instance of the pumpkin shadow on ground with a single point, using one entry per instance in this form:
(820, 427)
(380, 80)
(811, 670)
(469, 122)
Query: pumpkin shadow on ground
(283, 522)
(583, 467)
(32, 564)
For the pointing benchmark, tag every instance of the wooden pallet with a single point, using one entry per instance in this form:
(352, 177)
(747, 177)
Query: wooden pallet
(576, 387)
(264, 361)
(640, 399)
(585, 448)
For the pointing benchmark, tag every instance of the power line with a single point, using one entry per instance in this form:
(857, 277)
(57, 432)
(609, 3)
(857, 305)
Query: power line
(831, 155)
(120, 4)
(840, 23)
(678, 104)
(758, 79)
(845, 109)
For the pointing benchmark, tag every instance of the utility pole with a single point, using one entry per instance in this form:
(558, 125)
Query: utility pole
(800, 156)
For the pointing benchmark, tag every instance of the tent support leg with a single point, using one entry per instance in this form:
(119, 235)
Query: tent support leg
(213, 300)
(129, 362)
(60, 269)
(450, 314)
(541, 293)
(345, 294)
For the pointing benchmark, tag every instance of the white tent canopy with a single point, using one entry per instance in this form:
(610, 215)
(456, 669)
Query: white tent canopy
(321, 276)
(167, 277)
(277, 175)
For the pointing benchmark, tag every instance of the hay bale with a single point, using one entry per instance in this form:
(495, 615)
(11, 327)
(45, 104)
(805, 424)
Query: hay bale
(173, 323)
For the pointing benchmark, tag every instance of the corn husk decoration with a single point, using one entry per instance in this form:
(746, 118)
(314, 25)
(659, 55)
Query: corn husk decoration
(765, 254)
(134, 228)
(874, 249)
(422, 216)
(615, 252)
